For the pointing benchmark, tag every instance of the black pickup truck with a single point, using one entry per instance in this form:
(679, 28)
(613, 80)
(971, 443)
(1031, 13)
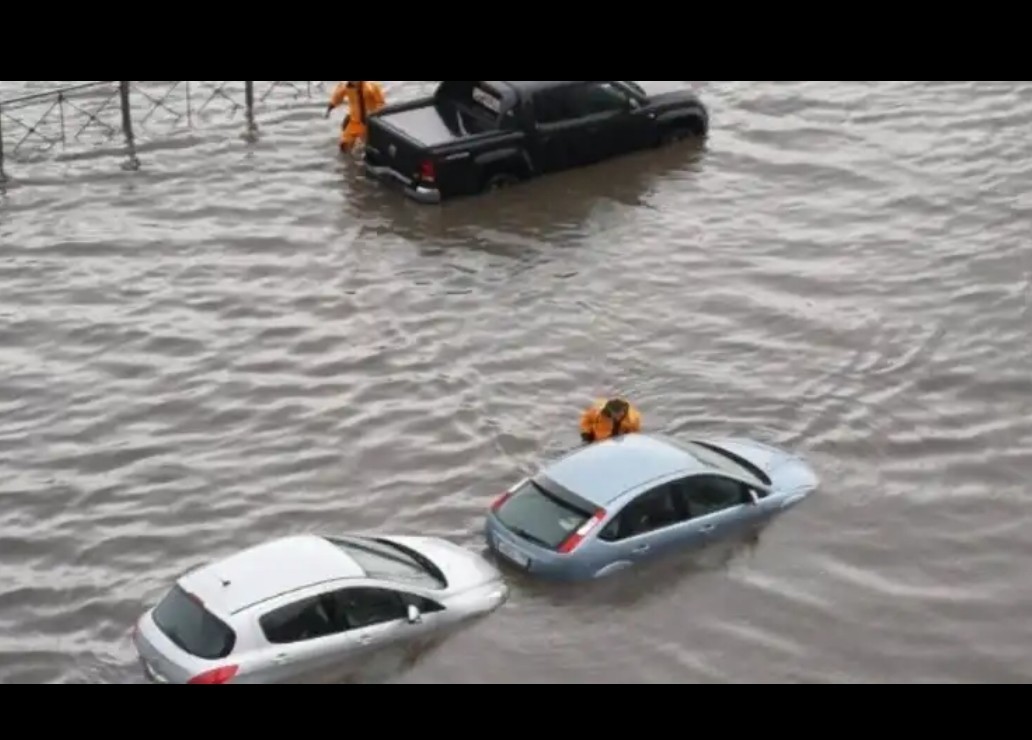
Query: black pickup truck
(469, 137)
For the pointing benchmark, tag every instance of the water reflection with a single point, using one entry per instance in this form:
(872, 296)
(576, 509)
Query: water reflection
(634, 586)
(525, 217)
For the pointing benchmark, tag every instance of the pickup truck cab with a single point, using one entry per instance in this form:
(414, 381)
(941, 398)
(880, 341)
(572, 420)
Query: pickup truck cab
(472, 136)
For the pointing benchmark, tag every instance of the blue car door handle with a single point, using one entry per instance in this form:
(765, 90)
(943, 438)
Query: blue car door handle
(707, 528)
(640, 549)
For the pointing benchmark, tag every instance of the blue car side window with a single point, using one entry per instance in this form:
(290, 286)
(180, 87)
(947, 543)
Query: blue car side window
(611, 532)
(652, 510)
(708, 494)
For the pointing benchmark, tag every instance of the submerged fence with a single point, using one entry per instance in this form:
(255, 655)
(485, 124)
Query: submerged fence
(111, 110)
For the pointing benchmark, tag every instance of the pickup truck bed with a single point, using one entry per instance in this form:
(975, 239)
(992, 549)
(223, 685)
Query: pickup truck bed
(424, 144)
(423, 125)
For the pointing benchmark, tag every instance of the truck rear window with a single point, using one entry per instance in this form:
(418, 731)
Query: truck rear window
(545, 517)
(486, 100)
(184, 620)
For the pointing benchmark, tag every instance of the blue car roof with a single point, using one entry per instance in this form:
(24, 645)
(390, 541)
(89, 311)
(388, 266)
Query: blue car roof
(601, 472)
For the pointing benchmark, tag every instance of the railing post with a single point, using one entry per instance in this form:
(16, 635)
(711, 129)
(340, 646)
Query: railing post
(252, 127)
(133, 163)
(3, 177)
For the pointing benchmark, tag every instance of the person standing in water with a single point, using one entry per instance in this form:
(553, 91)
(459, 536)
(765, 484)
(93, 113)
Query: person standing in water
(363, 98)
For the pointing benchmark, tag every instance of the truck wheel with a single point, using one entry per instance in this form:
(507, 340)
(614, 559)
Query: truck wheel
(500, 180)
(684, 128)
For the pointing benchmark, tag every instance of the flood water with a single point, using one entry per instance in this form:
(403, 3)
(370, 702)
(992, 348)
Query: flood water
(240, 342)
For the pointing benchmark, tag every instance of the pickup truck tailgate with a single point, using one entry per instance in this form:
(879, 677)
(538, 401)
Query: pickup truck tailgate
(388, 148)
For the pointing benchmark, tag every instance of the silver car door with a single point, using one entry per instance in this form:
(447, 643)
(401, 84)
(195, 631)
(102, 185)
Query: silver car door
(305, 641)
(378, 618)
(324, 660)
(433, 627)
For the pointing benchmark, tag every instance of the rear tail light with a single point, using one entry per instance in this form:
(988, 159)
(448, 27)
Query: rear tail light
(216, 675)
(427, 170)
(500, 500)
(570, 543)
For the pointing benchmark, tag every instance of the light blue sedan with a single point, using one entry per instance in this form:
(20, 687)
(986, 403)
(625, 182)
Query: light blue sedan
(616, 503)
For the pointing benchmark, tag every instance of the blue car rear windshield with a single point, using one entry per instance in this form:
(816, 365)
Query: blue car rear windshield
(184, 620)
(542, 515)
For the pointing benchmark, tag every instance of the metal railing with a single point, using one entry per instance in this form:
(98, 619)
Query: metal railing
(68, 116)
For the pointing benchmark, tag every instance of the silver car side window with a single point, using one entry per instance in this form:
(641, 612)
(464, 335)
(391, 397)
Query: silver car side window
(708, 494)
(365, 606)
(306, 619)
(340, 611)
(425, 605)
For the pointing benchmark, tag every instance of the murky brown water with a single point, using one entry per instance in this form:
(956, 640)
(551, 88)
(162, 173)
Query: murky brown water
(234, 344)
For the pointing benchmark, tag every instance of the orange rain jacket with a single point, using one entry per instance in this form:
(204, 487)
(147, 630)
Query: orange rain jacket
(354, 127)
(595, 426)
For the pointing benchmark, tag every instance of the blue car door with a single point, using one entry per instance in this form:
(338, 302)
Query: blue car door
(716, 507)
(646, 528)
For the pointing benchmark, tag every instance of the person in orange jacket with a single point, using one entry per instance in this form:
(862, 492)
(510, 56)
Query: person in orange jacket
(360, 106)
(609, 418)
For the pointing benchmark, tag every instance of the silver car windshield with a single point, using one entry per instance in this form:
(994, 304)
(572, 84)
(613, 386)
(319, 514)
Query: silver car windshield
(390, 562)
(721, 462)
